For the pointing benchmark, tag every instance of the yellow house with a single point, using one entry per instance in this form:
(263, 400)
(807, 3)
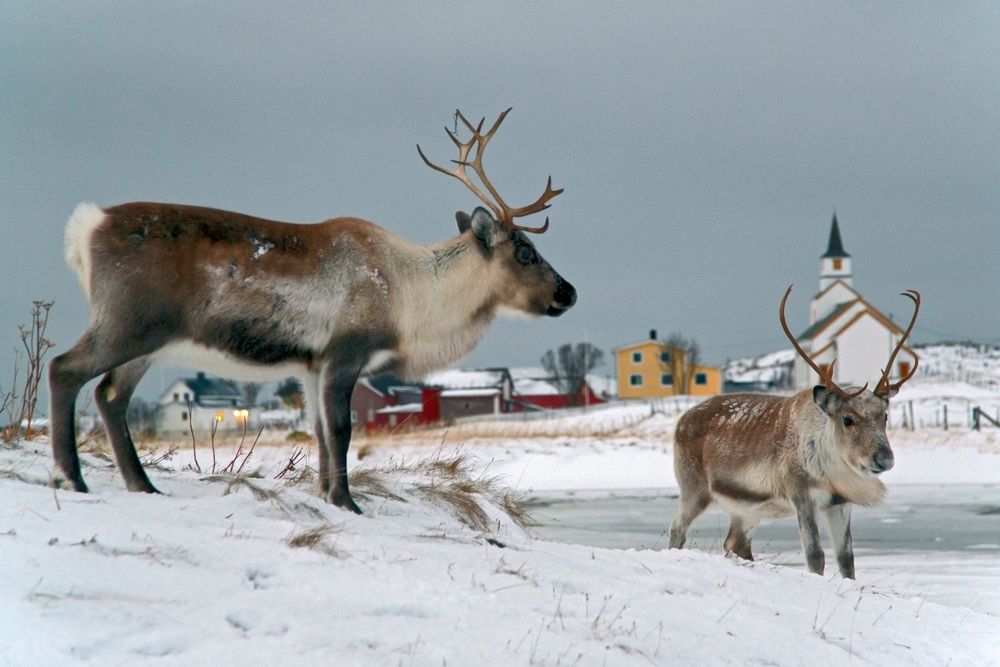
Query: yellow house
(652, 369)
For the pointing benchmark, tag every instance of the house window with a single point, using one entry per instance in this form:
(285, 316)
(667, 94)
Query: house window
(837, 263)
(354, 416)
(187, 397)
(701, 378)
(667, 379)
(392, 420)
(635, 380)
(177, 397)
(371, 414)
(184, 416)
(665, 357)
(637, 357)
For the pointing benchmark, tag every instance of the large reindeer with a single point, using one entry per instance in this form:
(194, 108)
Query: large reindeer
(768, 456)
(256, 299)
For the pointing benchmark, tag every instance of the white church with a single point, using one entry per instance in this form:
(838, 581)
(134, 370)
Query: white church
(844, 327)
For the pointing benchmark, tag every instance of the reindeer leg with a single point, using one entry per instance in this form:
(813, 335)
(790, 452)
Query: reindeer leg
(692, 504)
(738, 539)
(112, 396)
(838, 517)
(310, 385)
(97, 352)
(336, 389)
(805, 510)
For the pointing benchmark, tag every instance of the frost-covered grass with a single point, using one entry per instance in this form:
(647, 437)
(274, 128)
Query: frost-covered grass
(249, 569)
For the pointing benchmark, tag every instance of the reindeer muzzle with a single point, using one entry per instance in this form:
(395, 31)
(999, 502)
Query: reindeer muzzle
(882, 460)
(562, 300)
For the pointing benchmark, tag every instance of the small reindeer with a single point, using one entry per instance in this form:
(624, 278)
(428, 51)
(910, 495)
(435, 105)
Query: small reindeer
(256, 299)
(768, 456)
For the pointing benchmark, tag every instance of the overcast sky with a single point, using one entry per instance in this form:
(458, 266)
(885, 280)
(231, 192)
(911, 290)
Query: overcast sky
(703, 146)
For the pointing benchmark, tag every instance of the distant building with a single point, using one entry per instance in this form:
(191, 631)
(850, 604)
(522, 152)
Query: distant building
(766, 373)
(199, 401)
(451, 394)
(845, 327)
(535, 389)
(385, 402)
(653, 369)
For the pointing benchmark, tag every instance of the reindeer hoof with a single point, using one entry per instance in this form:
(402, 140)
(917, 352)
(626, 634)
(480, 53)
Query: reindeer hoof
(143, 488)
(77, 485)
(343, 500)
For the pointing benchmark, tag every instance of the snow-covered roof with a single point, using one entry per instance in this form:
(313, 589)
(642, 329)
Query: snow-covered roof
(470, 393)
(533, 381)
(458, 378)
(404, 408)
(603, 385)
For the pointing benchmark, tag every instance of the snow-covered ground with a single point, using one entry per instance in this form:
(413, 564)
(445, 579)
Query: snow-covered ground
(260, 571)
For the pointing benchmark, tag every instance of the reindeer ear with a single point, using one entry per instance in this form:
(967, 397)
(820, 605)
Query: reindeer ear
(463, 220)
(828, 401)
(485, 227)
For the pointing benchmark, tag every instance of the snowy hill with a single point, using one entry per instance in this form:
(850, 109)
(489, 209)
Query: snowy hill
(978, 365)
(228, 570)
(971, 363)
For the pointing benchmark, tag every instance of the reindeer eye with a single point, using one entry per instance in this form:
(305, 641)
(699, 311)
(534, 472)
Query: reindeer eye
(526, 254)
(848, 422)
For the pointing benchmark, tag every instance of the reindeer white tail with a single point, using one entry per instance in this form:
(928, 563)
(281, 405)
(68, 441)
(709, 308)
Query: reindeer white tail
(85, 218)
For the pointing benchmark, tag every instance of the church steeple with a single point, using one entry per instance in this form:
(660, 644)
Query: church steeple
(835, 264)
(836, 247)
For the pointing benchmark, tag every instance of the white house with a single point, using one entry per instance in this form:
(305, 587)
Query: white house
(845, 327)
(199, 401)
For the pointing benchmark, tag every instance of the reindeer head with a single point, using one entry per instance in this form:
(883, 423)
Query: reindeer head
(528, 283)
(858, 417)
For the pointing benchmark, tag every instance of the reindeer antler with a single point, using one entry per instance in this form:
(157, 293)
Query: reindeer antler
(504, 213)
(884, 388)
(825, 377)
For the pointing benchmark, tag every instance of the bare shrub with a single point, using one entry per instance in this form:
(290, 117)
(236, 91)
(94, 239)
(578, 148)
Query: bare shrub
(20, 409)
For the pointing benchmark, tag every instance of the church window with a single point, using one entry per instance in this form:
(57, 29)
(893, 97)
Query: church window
(837, 264)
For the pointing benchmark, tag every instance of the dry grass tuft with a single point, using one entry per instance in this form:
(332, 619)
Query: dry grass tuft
(315, 539)
(464, 505)
(264, 494)
(234, 481)
(95, 443)
(451, 481)
(368, 481)
(18, 477)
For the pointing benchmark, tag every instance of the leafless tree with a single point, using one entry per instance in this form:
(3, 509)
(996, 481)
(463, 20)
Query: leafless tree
(685, 356)
(290, 393)
(250, 391)
(568, 366)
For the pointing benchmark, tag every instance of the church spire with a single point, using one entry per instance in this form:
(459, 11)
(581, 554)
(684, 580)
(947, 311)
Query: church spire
(835, 265)
(835, 248)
